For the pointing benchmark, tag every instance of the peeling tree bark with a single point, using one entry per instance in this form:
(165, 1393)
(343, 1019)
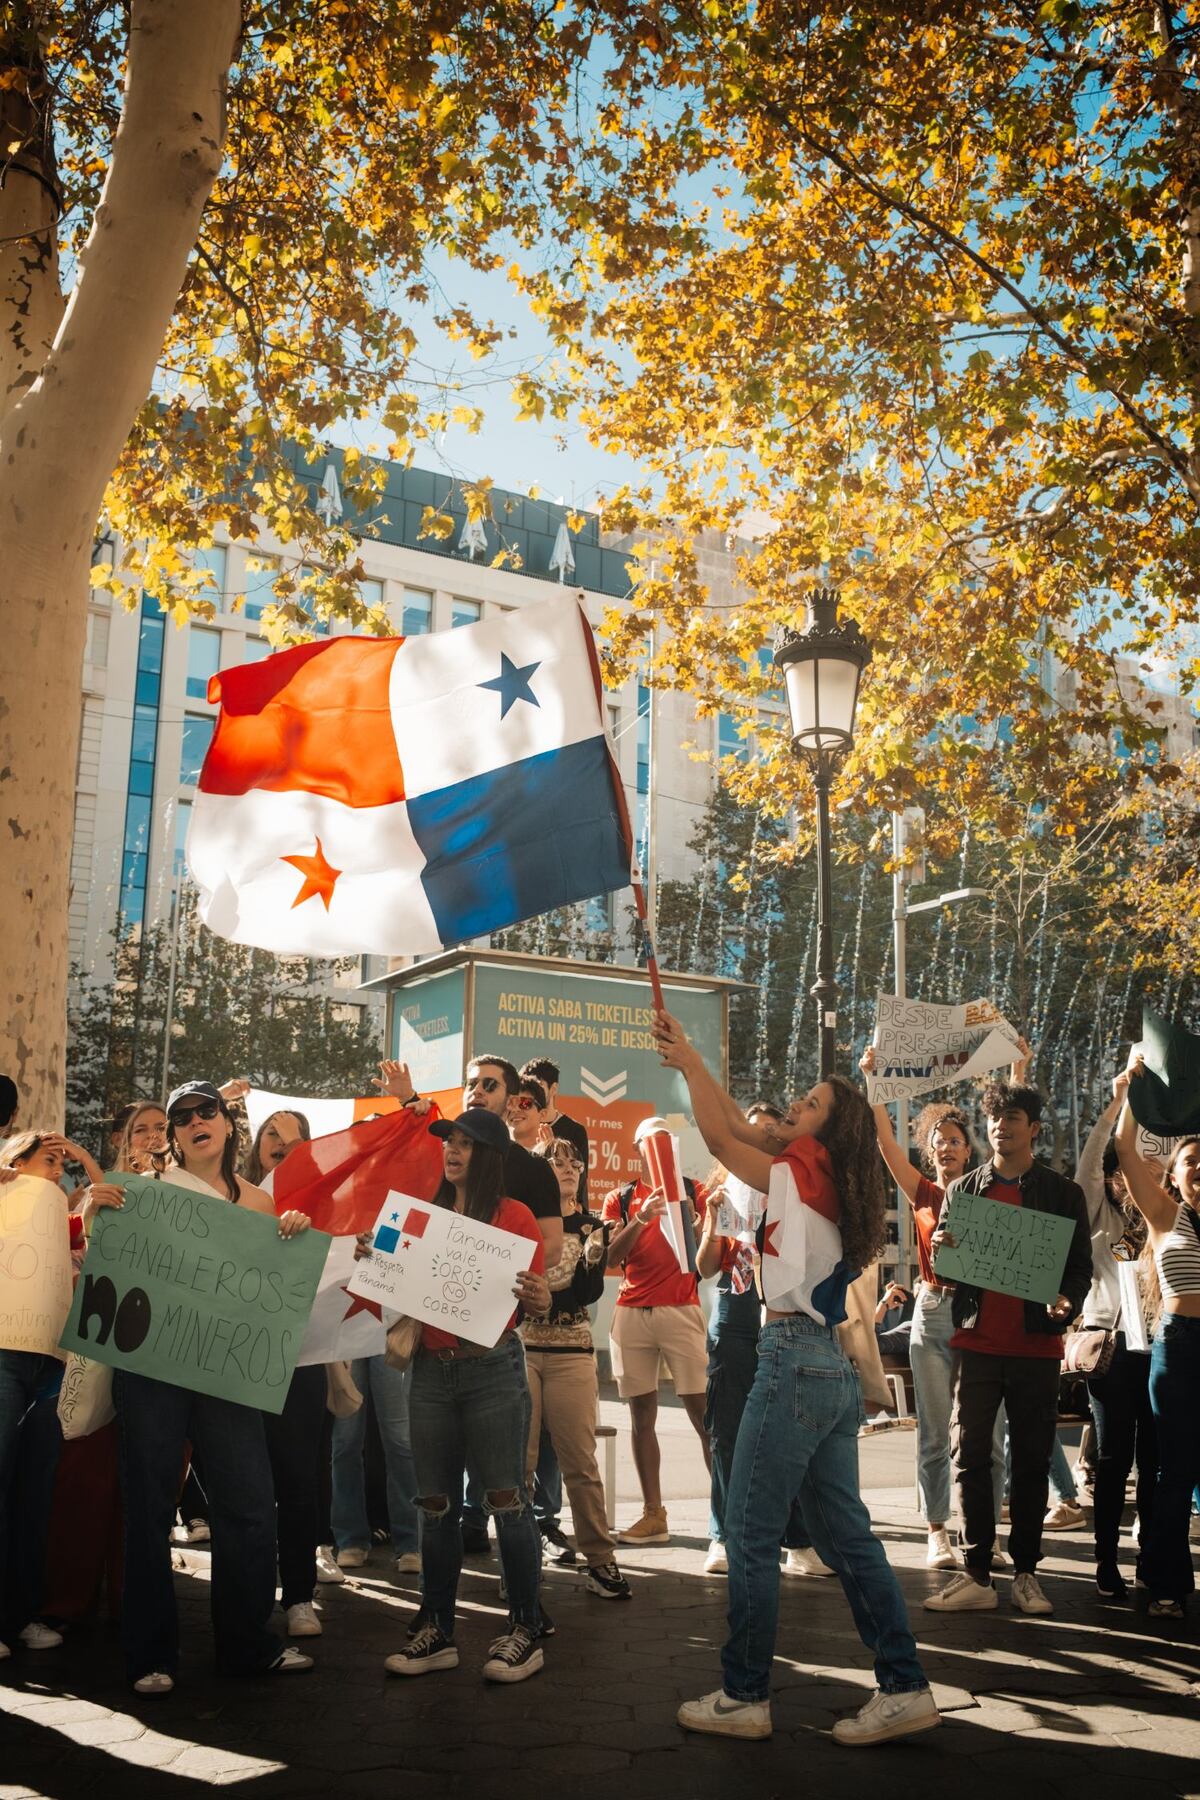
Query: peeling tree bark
(31, 305)
(59, 442)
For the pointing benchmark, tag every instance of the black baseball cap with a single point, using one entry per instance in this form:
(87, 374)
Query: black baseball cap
(200, 1090)
(478, 1124)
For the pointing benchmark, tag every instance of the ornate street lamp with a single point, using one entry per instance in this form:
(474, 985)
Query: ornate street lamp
(821, 668)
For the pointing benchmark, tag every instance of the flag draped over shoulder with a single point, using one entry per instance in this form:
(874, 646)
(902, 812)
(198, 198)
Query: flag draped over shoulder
(342, 1180)
(396, 795)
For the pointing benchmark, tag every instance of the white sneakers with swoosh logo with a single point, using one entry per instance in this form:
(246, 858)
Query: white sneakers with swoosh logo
(723, 1717)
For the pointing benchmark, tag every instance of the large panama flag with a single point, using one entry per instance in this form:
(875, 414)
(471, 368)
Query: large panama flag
(396, 795)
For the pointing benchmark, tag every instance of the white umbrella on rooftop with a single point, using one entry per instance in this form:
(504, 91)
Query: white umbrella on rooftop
(562, 557)
(329, 500)
(473, 538)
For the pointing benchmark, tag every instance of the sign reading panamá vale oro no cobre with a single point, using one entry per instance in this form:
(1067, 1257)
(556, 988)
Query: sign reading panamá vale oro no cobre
(192, 1290)
(432, 1264)
(1005, 1249)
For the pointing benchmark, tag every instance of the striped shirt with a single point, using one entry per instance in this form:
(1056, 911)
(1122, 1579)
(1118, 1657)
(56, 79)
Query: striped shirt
(1178, 1256)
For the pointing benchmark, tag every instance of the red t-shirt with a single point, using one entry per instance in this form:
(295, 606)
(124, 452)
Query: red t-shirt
(652, 1273)
(925, 1210)
(1000, 1327)
(510, 1215)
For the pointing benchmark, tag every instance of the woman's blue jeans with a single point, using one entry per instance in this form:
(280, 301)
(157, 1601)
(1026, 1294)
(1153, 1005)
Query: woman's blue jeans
(932, 1363)
(389, 1392)
(799, 1435)
(474, 1410)
(732, 1361)
(1175, 1397)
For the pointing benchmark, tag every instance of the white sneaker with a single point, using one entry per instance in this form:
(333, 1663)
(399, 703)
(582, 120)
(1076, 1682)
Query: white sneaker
(1063, 1516)
(197, 1532)
(409, 1563)
(327, 1569)
(716, 1562)
(352, 1558)
(1028, 1596)
(939, 1552)
(804, 1562)
(963, 1594)
(37, 1636)
(999, 1560)
(302, 1620)
(889, 1716)
(157, 1683)
(722, 1717)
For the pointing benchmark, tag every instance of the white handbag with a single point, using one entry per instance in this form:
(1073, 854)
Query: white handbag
(85, 1401)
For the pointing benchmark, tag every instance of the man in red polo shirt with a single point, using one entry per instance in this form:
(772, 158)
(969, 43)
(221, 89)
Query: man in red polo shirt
(658, 1314)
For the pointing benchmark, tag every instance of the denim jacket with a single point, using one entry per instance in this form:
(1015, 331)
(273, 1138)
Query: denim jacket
(1044, 1190)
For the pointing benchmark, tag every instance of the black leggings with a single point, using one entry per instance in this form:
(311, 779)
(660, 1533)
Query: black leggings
(1125, 1434)
(294, 1439)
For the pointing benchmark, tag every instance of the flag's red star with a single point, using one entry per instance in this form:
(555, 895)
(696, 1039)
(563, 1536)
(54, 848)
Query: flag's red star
(319, 876)
(358, 1304)
(407, 1245)
(768, 1247)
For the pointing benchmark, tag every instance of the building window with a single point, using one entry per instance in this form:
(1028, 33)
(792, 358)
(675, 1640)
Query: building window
(204, 659)
(260, 581)
(150, 653)
(197, 736)
(214, 560)
(728, 741)
(464, 612)
(254, 649)
(183, 816)
(417, 613)
(142, 748)
(371, 593)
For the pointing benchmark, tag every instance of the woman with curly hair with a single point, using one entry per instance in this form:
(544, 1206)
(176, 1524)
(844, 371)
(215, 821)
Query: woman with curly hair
(799, 1434)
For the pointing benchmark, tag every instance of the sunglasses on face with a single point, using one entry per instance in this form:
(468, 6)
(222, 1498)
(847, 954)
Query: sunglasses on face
(488, 1083)
(207, 1109)
(524, 1102)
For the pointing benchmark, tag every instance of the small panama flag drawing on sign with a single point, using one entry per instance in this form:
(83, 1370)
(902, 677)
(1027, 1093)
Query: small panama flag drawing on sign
(388, 1237)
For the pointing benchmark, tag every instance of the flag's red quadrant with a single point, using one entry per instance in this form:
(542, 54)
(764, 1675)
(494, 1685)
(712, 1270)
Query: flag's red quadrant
(414, 1225)
(316, 719)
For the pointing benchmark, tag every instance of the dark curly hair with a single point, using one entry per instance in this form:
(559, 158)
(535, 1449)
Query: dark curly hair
(938, 1112)
(850, 1137)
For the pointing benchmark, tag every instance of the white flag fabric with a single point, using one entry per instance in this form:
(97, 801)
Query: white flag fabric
(343, 1325)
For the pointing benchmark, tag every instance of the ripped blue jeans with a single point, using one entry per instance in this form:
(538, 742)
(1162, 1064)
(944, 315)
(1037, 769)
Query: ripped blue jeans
(474, 1411)
(799, 1436)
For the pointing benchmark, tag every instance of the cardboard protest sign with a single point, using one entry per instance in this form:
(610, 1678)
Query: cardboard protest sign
(1005, 1249)
(432, 1264)
(921, 1046)
(35, 1265)
(191, 1290)
(1166, 1098)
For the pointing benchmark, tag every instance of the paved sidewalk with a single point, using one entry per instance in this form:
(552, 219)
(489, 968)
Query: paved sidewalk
(1040, 1703)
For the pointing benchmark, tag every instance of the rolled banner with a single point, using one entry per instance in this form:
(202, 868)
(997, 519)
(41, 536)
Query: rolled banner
(661, 1150)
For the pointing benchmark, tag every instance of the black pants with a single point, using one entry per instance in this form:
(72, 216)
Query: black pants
(294, 1439)
(732, 1366)
(1028, 1388)
(1125, 1434)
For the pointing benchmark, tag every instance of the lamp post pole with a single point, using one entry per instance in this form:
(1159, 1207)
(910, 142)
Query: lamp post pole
(821, 668)
(825, 988)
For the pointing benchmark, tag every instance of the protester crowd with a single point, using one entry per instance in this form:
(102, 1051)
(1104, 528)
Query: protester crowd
(789, 1224)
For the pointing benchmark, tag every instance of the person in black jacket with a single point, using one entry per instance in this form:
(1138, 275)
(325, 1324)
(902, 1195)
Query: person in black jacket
(1009, 1351)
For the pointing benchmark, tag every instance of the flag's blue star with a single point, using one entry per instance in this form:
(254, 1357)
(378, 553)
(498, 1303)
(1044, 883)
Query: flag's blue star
(512, 684)
(395, 1218)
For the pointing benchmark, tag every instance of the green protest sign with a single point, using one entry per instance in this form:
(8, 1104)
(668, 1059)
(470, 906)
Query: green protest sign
(191, 1290)
(1005, 1249)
